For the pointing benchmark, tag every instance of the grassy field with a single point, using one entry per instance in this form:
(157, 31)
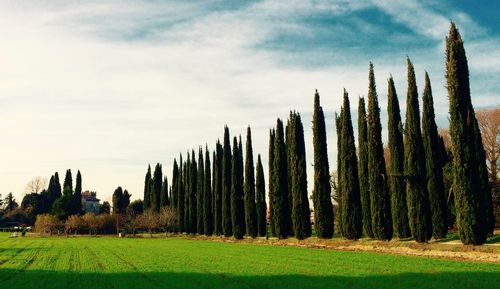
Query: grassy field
(108, 262)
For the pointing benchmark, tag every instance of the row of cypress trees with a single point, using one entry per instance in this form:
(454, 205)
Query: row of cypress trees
(156, 190)
(218, 195)
(407, 199)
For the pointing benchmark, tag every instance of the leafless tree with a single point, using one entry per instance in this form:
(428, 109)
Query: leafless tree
(489, 123)
(149, 220)
(168, 219)
(36, 185)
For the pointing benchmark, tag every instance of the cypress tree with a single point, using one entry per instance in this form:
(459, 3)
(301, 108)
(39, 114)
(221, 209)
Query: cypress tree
(57, 186)
(363, 169)
(164, 201)
(208, 219)
(68, 181)
(323, 210)
(175, 185)
(338, 188)
(217, 172)
(397, 185)
(237, 202)
(249, 189)
(414, 166)
(187, 192)
(200, 224)
(288, 150)
(377, 178)
(226, 185)
(147, 199)
(181, 196)
(272, 192)
(78, 193)
(351, 217)
(193, 177)
(260, 191)
(470, 184)
(155, 193)
(301, 214)
(281, 214)
(433, 165)
(118, 201)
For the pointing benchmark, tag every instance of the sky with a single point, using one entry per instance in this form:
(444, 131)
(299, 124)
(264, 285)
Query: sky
(108, 87)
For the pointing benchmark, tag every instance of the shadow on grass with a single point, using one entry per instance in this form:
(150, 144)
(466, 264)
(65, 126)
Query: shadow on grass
(55, 279)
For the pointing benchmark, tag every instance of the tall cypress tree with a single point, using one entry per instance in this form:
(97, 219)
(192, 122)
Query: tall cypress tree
(155, 194)
(433, 164)
(208, 219)
(281, 214)
(118, 201)
(217, 175)
(164, 201)
(272, 192)
(363, 169)
(249, 189)
(377, 178)
(351, 217)
(181, 196)
(77, 196)
(470, 184)
(301, 214)
(414, 166)
(200, 224)
(226, 185)
(68, 181)
(147, 199)
(187, 193)
(193, 186)
(288, 150)
(323, 210)
(237, 203)
(175, 185)
(338, 192)
(260, 191)
(397, 185)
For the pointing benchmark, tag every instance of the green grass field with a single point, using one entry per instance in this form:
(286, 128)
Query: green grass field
(108, 262)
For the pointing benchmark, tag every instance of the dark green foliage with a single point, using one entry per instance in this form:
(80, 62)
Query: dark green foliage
(53, 191)
(470, 186)
(105, 208)
(337, 187)
(397, 184)
(200, 224)
(135, 208)
(237, 202)
(217, 180)
(10, 203)
(68, 180)
(226, 185)
(147, 198)
(208, 217)
(155, 193)
(351, 216)
(260, 191)
(281, 214)
(175, 185)
(301, 214)
(187, 188)
(64, 205)
(118, 202)
(323, 210)
(193, 185)
(181, 196)
(272, 191)
(377, 178)
(77, 196)
(417, 197)
(364, 190)
(433, 165)
(164, 200)
(249, 189)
